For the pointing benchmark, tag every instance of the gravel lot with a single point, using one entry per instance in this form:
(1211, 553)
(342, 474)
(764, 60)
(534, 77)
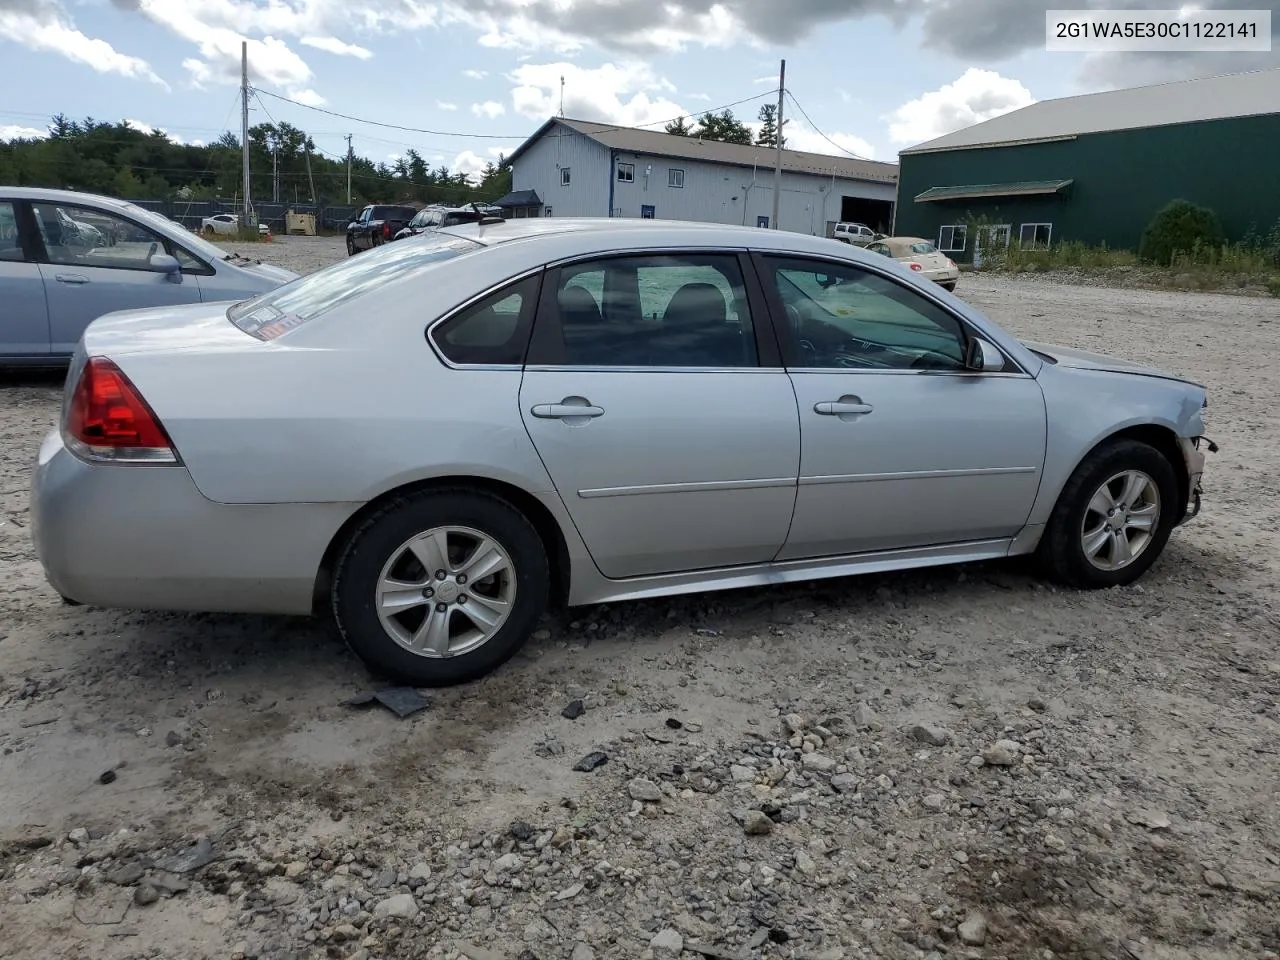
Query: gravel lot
(962, 763)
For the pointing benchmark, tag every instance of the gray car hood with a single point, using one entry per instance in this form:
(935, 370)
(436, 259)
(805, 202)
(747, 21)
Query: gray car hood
(1084, 360)
(277, 274)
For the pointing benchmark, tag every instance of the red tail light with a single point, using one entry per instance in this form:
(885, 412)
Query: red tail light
(386, 230)
(916, 267)
(108, 420)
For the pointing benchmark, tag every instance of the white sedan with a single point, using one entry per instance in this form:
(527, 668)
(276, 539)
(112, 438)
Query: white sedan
(921, 256)
(588, 411)
(224, 224)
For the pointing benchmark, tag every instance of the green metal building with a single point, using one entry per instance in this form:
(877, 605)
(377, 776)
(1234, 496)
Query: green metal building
(1097, 168)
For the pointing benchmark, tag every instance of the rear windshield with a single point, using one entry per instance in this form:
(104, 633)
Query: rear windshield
(288, 307)
(393, 213)
(923, 247)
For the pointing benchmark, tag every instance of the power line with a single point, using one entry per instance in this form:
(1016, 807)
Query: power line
(842, 149)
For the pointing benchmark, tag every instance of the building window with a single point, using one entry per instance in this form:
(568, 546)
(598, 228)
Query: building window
(675, 178)
(564, 176)
(953, 238)
(626, 173)
(547, 212)
(1032, 236)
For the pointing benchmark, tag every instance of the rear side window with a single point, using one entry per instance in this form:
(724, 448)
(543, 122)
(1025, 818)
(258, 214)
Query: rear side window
(288, 307)
(494, 330)
(10, 243)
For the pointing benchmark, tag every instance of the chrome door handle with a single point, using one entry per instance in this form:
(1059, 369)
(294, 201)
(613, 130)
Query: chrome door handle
(844, 407)
(566, 411)
(70, 278)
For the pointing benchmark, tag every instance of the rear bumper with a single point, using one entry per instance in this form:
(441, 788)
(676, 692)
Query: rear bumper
(144, 537)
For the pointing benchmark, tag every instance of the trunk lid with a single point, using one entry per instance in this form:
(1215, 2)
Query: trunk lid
(196, 326)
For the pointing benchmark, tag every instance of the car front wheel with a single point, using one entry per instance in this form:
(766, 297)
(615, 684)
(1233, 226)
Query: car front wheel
(441, 587)
(351, 246)
(1113, 517)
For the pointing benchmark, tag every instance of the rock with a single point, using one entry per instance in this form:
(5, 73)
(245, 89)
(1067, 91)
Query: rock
(145, 895)
(973, 931)
(521, 831)
(741, 774)
(935, 802)
(805, 863)
(1151, 819)
(509, 863)
(844, 783)
(756, 824)
(573, 710)
(667, 943)
(591, 761)
(78, 836)
(420, 871)
(582, 952)
(108, 776)
(864, 718)
(172, 739)
(402, 907)
(934, 736)
(645, 790)
(296, 869)
(384, 878)
(1004, 753)
(1216, 880)
(818, 763)
(170, 883)
(792, 723)
(1038, 705)
(127, 875)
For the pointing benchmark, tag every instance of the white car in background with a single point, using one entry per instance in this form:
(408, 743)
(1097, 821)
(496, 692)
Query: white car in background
(920, 256)
(224, 224)
(858, 234)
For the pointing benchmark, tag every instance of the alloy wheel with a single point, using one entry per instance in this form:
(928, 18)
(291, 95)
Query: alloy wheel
(1120, 520)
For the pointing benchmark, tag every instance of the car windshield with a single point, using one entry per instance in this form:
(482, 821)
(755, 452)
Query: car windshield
(393, 213)
(287, 307)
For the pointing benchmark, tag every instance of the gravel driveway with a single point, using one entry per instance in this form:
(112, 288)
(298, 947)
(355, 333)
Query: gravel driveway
(959, 763)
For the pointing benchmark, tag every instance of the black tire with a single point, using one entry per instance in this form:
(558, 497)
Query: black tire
(950, 286)
(351, 246)
(1061, 553)
(378, 540)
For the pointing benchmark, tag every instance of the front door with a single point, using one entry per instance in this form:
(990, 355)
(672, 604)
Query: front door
(989, 239)
(98, 261)
(900, 445)
(24, 316)
(670, 433)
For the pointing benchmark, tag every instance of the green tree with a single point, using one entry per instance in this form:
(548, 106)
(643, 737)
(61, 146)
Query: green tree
(678, 128)
(768, 133)
(723, 126)
(1180, 227)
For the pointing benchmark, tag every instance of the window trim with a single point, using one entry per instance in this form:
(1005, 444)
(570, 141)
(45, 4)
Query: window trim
(670, 172)
(618, 167)
(566, 177)
(1034, 226)
(953, 227)
(768, 355)
(527, 311)
(781, 328)
(41, 250)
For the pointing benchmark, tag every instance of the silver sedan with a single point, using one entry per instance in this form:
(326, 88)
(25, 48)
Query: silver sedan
(433, 441)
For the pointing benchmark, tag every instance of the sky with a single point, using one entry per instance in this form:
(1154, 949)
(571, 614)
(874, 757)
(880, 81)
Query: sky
(870, 77)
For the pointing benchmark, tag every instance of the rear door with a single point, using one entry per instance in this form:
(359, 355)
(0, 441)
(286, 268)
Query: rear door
(655, 398)
(89, 272)
(24, 314)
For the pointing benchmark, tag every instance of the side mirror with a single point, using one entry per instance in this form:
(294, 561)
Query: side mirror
(983, 356)
(164, 263)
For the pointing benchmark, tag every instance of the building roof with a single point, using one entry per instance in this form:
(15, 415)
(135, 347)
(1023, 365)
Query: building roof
(519, 198)
(658, 144)
(1162, 104)
(1023, 188)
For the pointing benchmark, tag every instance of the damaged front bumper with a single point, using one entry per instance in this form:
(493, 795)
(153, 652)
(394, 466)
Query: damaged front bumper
(1193, 454)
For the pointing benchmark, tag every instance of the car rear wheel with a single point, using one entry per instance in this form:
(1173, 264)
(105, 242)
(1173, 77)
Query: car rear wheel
(441, 587)
(948, 285)
(351, 247)
(1113, 517)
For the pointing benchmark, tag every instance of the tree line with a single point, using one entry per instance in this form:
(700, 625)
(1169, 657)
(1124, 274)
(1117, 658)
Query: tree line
(119, 160)
(727, 128)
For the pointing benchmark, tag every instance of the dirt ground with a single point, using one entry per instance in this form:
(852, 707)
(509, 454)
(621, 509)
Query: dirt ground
(960, 763)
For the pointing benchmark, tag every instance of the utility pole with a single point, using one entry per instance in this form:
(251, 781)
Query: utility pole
(562, 96)
(306, 145)
(244, 129)
(348, 168)
(275, 172)
(777, 170)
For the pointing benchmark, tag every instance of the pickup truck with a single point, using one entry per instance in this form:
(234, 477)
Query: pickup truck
(376, 225)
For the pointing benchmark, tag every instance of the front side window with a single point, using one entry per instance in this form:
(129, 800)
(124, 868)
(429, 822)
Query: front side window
(493, 331)
(842, 317)
(662, 311)
(86, 237)
(675, 178)
(953, 238)
(10, 242)
(564, 176)
(1034, 236)
(287, 307)
(626, 172)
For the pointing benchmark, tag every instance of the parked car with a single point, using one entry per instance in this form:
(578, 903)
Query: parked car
(858, 234)
(919, 255)
(376, 225)
(434, 218)
(223, 224)
(67, 257)
(622, 409)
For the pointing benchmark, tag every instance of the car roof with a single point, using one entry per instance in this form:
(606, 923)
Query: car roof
(62, 196)
(626, 232)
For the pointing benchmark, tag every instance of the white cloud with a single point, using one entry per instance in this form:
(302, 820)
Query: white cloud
(800, 136)
(336, 46)
(10, 131)
(704, 97)
(628, 94)
(44, 26)
(770, 80)
(442, 105)
(490, 109)
(977, 95)
(475, 74)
